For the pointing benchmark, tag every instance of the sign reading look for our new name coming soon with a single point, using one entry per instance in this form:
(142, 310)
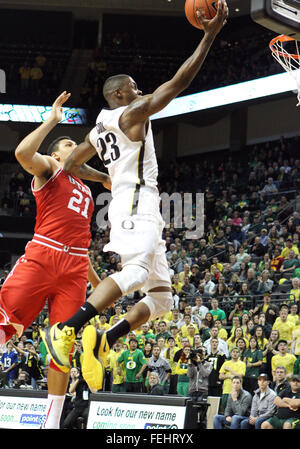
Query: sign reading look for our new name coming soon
(122, 415)
(214, 98)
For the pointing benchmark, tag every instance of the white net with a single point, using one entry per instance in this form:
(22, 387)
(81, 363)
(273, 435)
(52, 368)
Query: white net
(286, 52)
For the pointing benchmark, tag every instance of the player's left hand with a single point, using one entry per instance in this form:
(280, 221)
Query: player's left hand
(57, 110)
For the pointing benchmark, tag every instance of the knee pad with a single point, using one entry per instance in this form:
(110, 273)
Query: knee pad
(159, 303)
(130, 279)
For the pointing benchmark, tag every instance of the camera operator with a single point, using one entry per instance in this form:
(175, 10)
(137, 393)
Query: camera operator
(79, 389)
(198, 372)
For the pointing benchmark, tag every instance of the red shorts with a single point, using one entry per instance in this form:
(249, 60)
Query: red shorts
(42, 274)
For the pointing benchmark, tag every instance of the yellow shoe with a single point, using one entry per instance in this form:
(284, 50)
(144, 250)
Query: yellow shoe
(95, 351)
(59, 344)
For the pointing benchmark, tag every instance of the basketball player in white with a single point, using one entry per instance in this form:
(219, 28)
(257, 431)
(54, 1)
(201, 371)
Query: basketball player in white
(123, 140)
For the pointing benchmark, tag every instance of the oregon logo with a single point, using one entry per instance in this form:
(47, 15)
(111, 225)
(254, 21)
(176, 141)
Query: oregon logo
(131, 364)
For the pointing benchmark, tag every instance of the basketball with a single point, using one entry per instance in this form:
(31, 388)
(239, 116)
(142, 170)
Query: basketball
(209, 8)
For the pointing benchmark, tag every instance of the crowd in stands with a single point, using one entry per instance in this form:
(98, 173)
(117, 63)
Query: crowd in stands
(234, 58)
(33, 73)
(236, 289)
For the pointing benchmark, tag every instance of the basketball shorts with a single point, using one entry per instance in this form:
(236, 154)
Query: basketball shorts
(42, 274)
(137, 239)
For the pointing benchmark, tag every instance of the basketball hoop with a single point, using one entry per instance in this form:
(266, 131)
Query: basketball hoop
(285, 50)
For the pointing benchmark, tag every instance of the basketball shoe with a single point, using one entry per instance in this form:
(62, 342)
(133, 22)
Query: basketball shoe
(95, 351)
(59, 344)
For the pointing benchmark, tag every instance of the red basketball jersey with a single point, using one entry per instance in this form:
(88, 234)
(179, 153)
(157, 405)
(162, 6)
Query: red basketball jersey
(64, 210)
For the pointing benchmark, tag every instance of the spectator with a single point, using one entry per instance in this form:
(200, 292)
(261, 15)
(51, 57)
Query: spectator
(118, 385)
(22, 381)
(134, 364)
(287, 415)
(283, 358)
(265, 284)
(252, 281)
(186, 272)
(216, 359)
(270, 350)
(208, 285)
(295, 346)
(181, 370)
(295, 290)
(230, 369)
(270, 188)
(237, 408)
(289, 246)
(258, 249)
(199, 309)
(222, 345)
(161, 366)
(155, 388)
(262, 407)
(218, 314)
(31, 362)
(8, 365)
(253, 358)
(162, 330)
(198, 372)
(80, 389)
(280, 381)
(284, 326)
(271, 310)
(146, 335)
(236, 334)
(188, 290)
(187, 321)
(169, 356)
(290, 264)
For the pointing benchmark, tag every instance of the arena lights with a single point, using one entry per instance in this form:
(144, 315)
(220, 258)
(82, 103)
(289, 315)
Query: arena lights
(222, 96)
(235, 93)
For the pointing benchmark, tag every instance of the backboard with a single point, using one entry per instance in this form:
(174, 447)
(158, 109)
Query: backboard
(280, 16)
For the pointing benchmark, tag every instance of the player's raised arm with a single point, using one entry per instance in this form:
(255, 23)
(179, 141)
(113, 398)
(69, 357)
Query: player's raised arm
(148, 105)
(75, 164)
(27, 151)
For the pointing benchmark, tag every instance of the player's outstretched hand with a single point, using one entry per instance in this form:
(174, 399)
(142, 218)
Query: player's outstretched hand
(213, 26)
(57, 110)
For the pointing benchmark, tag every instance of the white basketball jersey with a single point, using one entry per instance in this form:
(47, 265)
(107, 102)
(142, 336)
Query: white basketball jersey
(132, 166)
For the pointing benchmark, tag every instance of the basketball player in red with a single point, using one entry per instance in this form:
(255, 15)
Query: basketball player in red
(124, 141)
(55, 266)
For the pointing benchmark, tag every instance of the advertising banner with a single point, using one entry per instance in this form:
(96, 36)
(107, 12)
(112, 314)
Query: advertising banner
(122, 415)
(22, 412)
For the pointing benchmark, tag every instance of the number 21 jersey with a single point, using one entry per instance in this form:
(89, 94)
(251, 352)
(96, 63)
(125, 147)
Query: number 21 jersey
(64, 210)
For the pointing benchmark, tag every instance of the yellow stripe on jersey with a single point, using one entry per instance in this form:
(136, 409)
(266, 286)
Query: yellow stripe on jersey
(141, 181)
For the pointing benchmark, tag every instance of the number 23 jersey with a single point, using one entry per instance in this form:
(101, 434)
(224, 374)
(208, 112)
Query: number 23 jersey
(132, 166)
(64, 210)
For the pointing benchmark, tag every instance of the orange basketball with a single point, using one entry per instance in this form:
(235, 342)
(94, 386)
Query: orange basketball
(208, 6)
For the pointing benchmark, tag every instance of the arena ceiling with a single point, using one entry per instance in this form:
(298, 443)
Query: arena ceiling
(88, 8)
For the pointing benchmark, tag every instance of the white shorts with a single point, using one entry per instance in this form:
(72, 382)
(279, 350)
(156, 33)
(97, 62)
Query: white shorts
(138, 240)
